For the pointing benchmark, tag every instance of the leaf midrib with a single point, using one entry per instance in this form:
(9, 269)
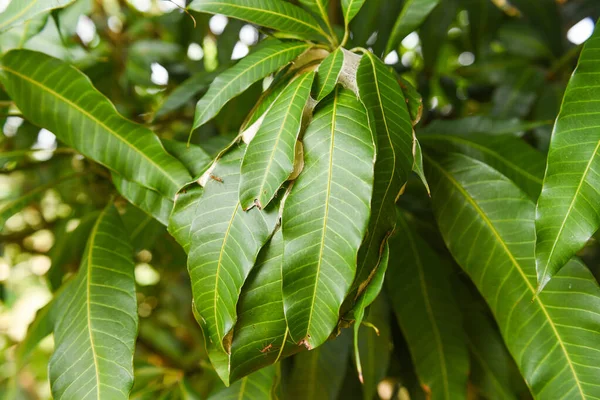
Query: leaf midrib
(94, 119)
(335, 56)
(515, 263)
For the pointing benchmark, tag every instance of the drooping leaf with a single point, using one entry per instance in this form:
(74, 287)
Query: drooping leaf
(269, 158)
(329, 201)
(20, 11)
(255, 386)
(268, 58)
(509, 155)
(225, 242)
(318, 374)
(414, 101)
(193, 157)
(550, 335)
(412, 16)
(567, 212)
(276, 14)
(328, 74)
(147, 200)
(350, 8)
(393, 132)
(428, 315)
(84, 119)
(96, 330)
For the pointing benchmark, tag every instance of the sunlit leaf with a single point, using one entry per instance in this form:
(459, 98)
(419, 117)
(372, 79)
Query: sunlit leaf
(20, 11)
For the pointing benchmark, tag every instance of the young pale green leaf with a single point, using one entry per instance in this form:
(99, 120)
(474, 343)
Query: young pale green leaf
(261, 337)
(325, 217)
(412, 16)
(96, 329)
(19, 11)
(367, 297)
(255, 386)
(550, 335)
(568, 211)
(269, 158)
(392, 128)
(350, 8)
(84, 119)
(428, 314)
(318, 374)
(507, 154)
(328, 74)
(224, 244)
(275, 14)
(268, 58)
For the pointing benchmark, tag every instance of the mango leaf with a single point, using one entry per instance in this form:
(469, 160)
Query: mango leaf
(147, 200)
(350, 8)
(414, 101)
(418, 164)
(269, 159)
(428, 315)
(20, 11)
(318, 374)
(550, 335)
(275, 14)
(567, 212)
(193, 157)
(412, 16)
(328, 74)
(393, 132)
(268, 58)
(255, 386)
(84, 119)
(225, 242)
(507, 154)
(96, 329)
(320, 8)
(325, 217)
(482, 125)
(17, 36)
(261, 337)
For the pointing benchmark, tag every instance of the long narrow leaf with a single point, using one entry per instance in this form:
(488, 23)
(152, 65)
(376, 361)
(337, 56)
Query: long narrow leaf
(412, 16)
(328, 74)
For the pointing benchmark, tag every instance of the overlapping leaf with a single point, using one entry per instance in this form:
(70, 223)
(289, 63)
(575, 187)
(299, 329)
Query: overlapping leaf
(148, 200)
(96, 330)
(320, 8)
(553, 336)
(328, 74)
(428, 314)
(393, 133)
(61, 99)
(269, 158)
(259, 385)
(19, 11)
(271, 56)
(350, 8)
(412, 16)
(568, 212)
(276, 14)
(325, 217)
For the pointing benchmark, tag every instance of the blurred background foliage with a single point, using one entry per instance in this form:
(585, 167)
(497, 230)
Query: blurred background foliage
(471, 58)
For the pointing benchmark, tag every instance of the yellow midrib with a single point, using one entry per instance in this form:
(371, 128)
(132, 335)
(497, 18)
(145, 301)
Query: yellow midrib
(515, 264)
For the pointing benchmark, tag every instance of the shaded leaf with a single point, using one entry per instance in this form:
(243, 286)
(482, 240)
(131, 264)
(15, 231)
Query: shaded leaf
(84, 119)
(325, 217)
(482, 125)
(414, 101)
(147, 200)
(567, 212)
(255, 386)
(412, 16)
(193, 157)
(268, 58)
(96, 330)
(428, 315)
(551, 335)
(328, 73)
(350, 8)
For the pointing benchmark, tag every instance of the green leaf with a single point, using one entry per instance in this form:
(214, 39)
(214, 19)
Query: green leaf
(252, 387)
(320, 8)
(414, 101)
(96, 329)
(481, 125)
(318, 374)
(372, 290)
(17, 36)
(518, 92)
(329, 201)
(193, 157)
(553, 336)
(84, 119)
(224, 244)
(412, 16)
(260, 336)
(147, 200)
(19, 11)
(350, 8)
(434, 32)
(507, 154)
(274, 14)
(328, 73)
(418, 165)
(567, 212)
(269, 158)
(431, 322)
(268, 58)
(392, 128)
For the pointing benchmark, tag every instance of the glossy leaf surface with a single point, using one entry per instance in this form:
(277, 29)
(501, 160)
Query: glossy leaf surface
(350, 8)
(412, 16)
(328, 73)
